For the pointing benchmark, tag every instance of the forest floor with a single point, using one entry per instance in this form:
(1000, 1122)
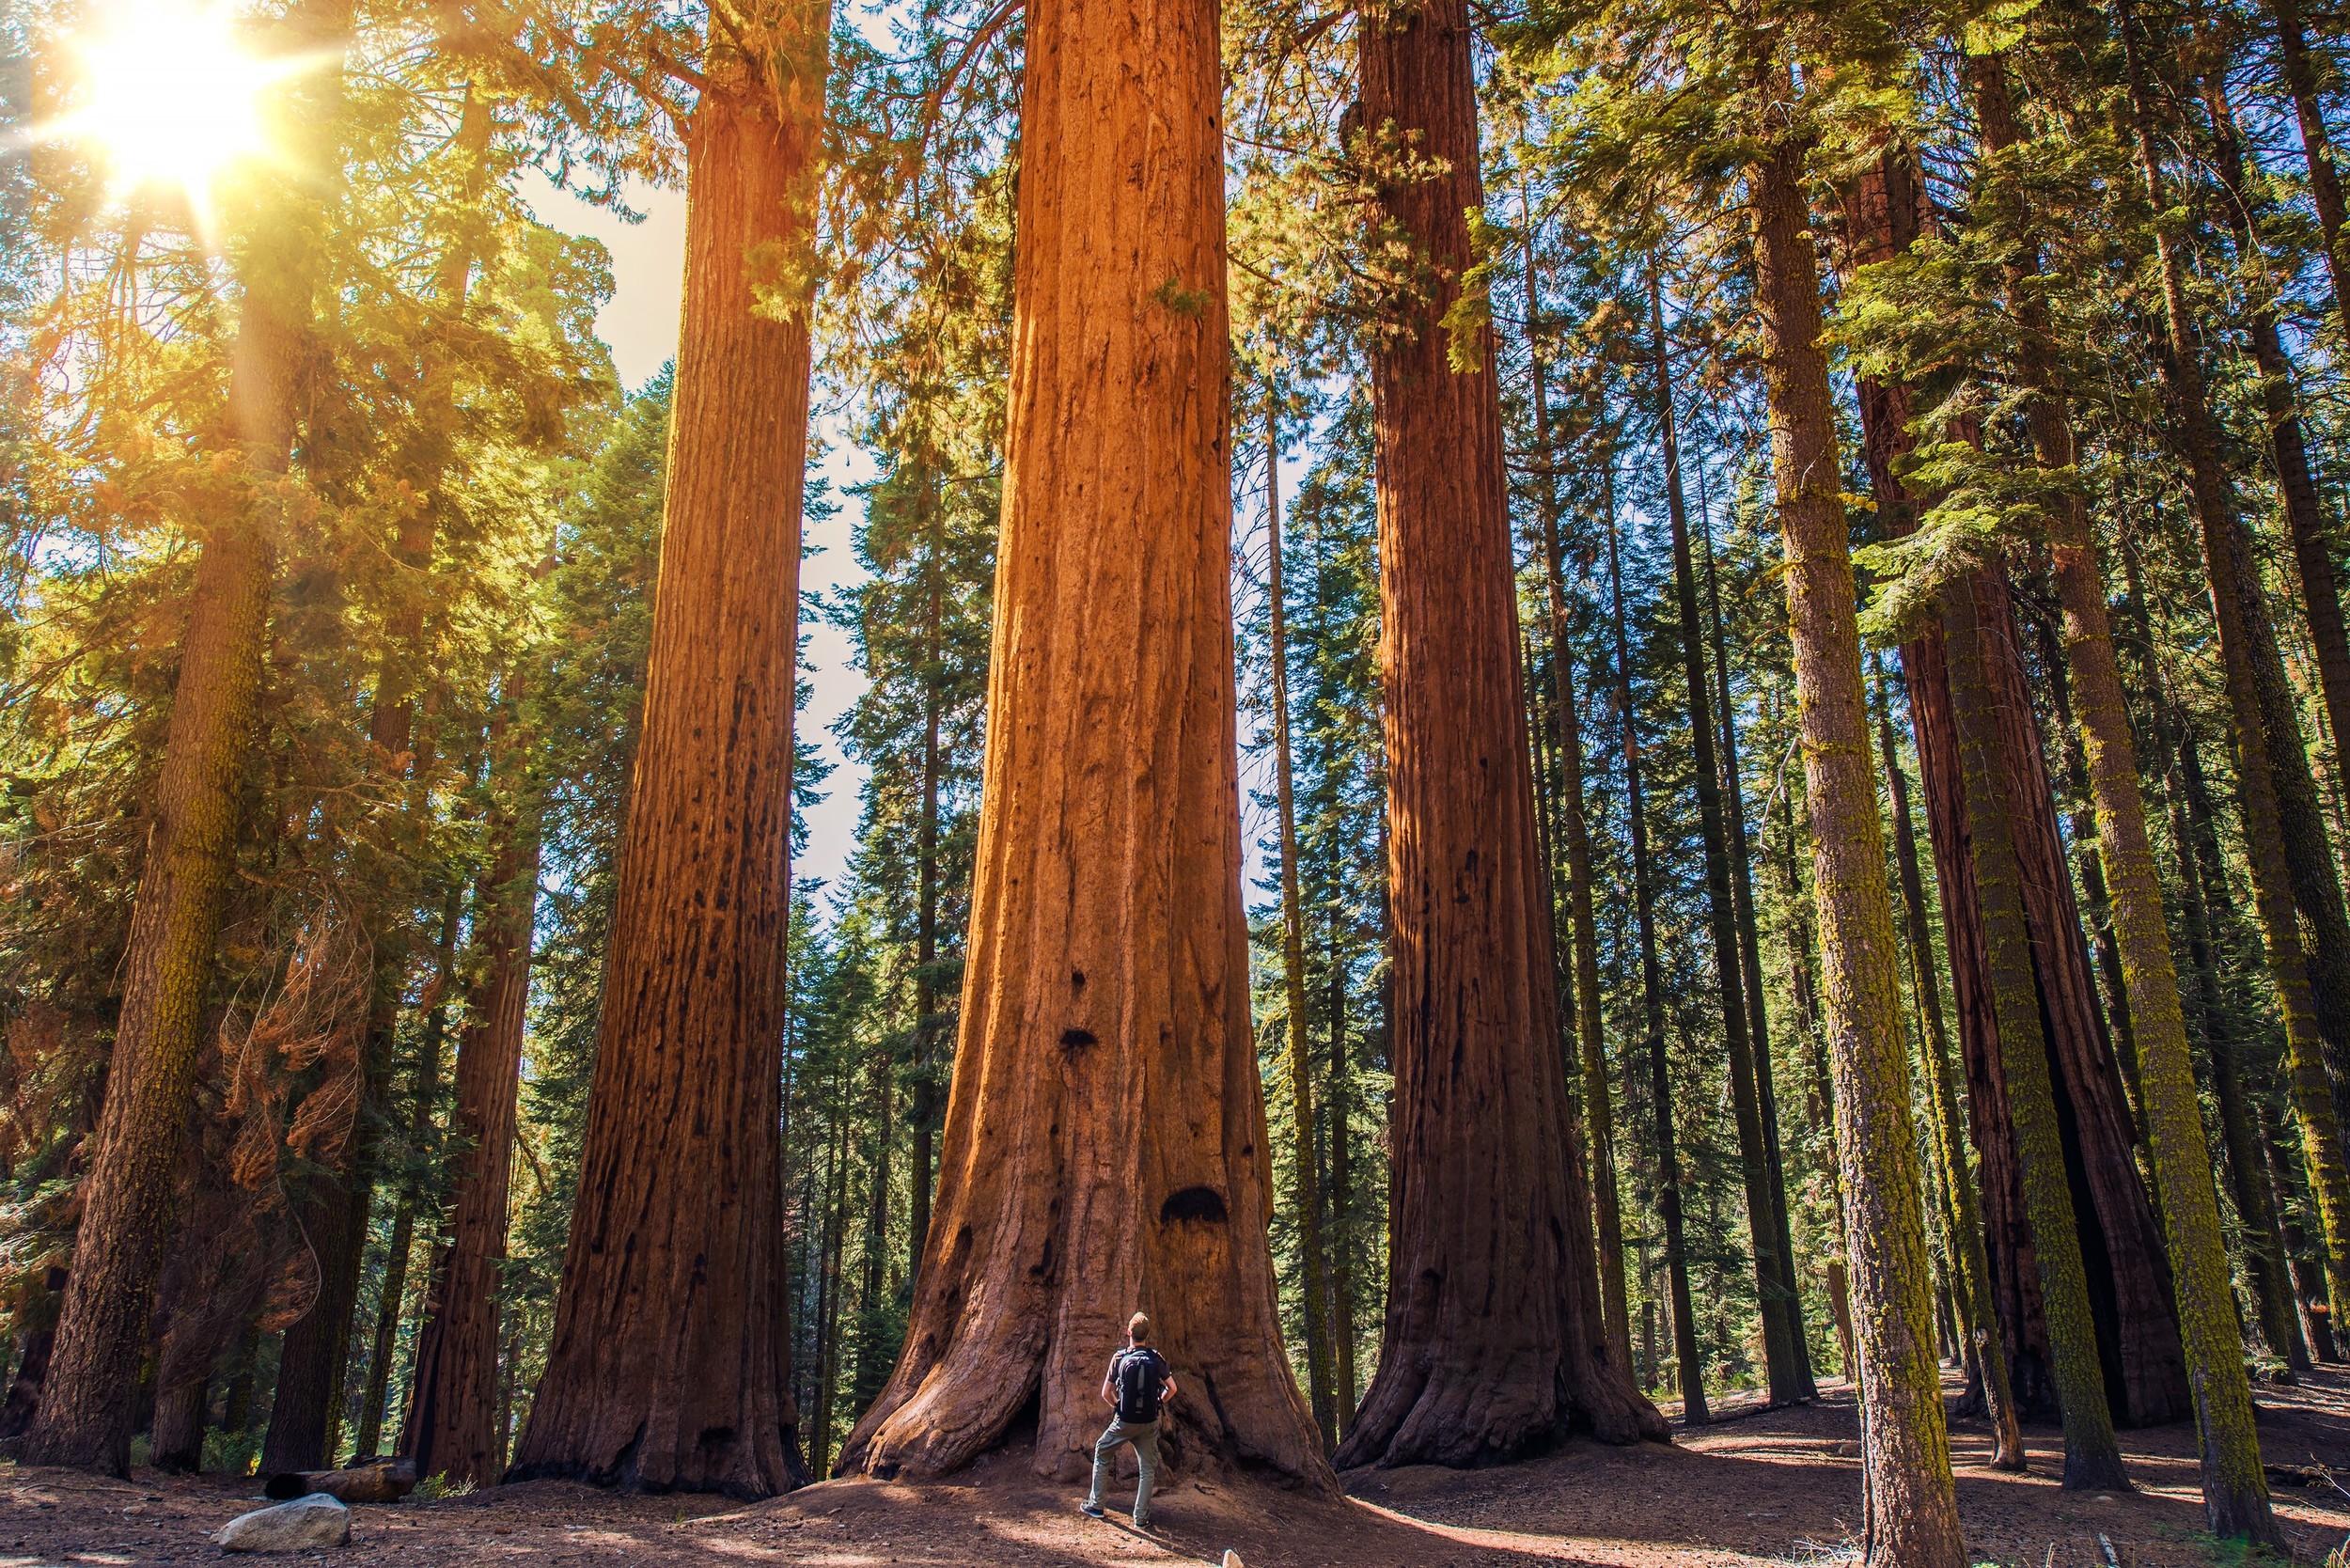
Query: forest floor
(1758, 1486)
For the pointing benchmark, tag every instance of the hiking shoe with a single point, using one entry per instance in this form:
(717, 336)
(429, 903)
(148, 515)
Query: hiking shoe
(1091, 1511)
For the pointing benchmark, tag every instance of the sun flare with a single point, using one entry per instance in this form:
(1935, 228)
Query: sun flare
(170, 97)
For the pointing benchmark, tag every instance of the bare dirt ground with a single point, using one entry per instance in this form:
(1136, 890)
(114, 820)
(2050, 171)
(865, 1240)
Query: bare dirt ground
(1758, 1487)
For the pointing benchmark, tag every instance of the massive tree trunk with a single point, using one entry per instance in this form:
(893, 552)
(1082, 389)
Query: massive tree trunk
(1307, 1192)
(1789, 1378)
(450, 1427)
(1688, 1354)
(2256, 782)
(1968, 1254)
(91, 1392)
(1494, 1345)
(671, 1362)
(923, 1112)
(1910, 1510)
(1599, 1115)
(1105, 1139)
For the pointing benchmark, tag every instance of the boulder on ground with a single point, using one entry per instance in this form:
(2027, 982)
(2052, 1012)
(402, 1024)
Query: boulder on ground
(306, 1523)
(377, 1480)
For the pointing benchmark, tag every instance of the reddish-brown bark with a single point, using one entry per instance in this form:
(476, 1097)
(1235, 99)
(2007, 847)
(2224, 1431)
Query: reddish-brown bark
(1105, 1146)
(669, 1367)
(2121, 1240)
(1493, 1344)
(451, 1427)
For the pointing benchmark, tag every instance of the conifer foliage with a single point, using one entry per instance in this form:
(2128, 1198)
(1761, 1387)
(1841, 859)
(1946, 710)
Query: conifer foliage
(1398, 583)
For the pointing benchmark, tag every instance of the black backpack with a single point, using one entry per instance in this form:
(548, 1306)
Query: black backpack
(1141, 1375)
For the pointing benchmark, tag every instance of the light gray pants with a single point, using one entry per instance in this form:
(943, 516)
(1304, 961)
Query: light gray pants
(1144, 1436)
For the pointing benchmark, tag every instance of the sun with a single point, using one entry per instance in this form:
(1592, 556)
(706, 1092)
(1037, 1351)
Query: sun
(169, 97)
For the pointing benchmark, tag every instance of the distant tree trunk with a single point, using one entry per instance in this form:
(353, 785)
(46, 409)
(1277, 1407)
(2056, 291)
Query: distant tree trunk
(129, 1198)
(451, 1425)
(1790, 1379)
(375, 1394)
(1493, 1344)
(1686, 1349)
(1910, 1512)
(1599, 1117)
(176, 1436)
(1970, 1261)
(2256, 782)
(1750, 937)
(1307, 1193)
(923, 1112)
(2247, 1177)
(1105, 1139)
(2317, 150)
(655, 1380)
(2081, 818)
(1342, 1186)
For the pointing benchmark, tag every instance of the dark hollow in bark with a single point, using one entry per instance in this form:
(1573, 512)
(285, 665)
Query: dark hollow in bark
(670, 1363)
(1105, 1146)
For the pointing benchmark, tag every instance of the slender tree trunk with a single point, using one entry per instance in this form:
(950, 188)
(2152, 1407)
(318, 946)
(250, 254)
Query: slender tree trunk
(1307, 1193)
(90, 1391)
(1910, 1510)
(1686, 1349)
(1493, 1344)
(1599, 1117)
(924, 1111)
(2316, 149)
(375, 1393)
(1971, 1261)
(1342, 1186)
(1750, 938)
(451, 1427)
(2256, 783)
(1105, 1139)
(2247, 1177)
(654, 1380)
(1782, 1325)
(2092, 1459)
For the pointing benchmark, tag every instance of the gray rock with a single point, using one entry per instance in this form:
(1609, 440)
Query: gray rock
(318, 1520)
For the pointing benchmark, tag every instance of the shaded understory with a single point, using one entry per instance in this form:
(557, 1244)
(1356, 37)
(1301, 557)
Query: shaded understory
(1770, 1486)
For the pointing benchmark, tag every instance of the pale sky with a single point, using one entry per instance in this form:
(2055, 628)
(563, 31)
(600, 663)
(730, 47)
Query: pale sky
(641, 324)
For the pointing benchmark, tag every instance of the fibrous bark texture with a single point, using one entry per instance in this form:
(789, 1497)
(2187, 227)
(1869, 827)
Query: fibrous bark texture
(1104, 1147)
(1493, 1344)
(669, 1367)
(1910, 1509)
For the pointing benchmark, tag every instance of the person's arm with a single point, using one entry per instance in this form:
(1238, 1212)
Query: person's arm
(1168, 1392)
(1110, 1380)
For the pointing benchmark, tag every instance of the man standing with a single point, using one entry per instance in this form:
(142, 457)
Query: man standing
(1140, 1381)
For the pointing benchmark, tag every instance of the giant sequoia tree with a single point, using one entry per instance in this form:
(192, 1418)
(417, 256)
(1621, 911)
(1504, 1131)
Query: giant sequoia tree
(1105, 1146)
(669, 1363)
(1495, 1343)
